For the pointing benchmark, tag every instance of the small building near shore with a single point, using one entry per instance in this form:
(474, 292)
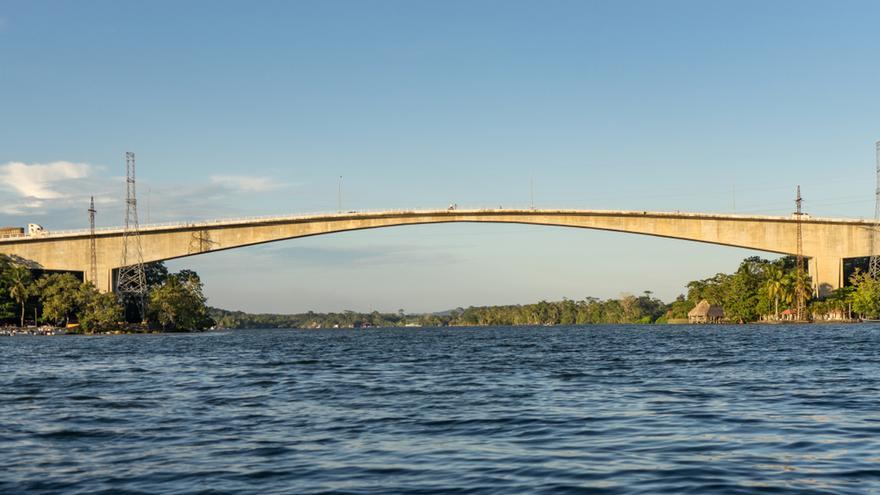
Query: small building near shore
(706, 313)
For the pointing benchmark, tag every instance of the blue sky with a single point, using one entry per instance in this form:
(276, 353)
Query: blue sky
(246, 108)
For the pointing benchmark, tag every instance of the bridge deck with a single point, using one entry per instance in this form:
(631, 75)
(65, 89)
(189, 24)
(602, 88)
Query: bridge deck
(310, 217)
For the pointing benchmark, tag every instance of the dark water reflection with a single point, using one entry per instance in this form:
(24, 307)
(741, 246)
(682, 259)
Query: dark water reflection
(780, 409)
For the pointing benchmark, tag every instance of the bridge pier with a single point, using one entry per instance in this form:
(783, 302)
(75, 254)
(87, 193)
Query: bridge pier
(827, 274)
(104, 283)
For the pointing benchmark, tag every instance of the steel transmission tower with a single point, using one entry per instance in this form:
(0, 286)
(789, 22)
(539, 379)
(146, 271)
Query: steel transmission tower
(131, 281)
(800, 282)
(93, 250)
(874, 265)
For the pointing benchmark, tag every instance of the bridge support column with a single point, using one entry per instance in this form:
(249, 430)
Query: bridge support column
(827, 274)
(105, 279)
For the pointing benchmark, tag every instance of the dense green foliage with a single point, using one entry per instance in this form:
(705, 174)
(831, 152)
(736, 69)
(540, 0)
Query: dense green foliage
(8, 308)
(627, 309)
(239, 319)
(101, 312)
(18, 283)
(865, 296)
(679, 309)
(759, 290)
(178, 303)
(60, 299)
(63, 297)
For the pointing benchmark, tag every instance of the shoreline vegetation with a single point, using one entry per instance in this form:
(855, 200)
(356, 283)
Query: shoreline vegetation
(759, 291)
(49, 303)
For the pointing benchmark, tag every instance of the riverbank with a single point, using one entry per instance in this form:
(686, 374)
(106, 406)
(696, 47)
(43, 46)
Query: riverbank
(49, 330)
(44, 330)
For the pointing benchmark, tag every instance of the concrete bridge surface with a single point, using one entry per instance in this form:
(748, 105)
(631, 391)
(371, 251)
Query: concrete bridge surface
(826, 241)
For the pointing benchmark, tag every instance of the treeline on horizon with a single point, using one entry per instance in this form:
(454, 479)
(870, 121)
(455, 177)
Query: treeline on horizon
(759, 290)
(628, 309)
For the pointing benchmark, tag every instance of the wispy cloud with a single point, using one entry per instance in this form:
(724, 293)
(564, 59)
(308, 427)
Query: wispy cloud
(38, 180)
(58, 193)
(219, 197)
(57, 190)
(245, 183)
(19, 208)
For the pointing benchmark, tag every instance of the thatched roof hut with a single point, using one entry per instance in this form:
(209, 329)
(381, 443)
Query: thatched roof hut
(706, 313)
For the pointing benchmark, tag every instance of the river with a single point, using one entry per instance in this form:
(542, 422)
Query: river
(601, 409)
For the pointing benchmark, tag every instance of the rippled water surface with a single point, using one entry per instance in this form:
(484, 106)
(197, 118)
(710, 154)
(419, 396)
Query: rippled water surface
(669, 409)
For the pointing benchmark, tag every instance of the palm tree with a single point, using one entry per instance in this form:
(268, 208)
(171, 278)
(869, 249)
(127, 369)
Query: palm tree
(776, 286)
(788, 290)
(19, 286)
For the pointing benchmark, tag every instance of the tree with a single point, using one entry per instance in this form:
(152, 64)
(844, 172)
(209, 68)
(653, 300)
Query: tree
(740, 297)
(8, 308)
(650, 308)
(775, 286)
(568, 312)
(841, 300)
(179, 304)
(742, 292)
(20, 285)
(101, 312)
(61, 296)
(712, 289)
(866, 295)
(376, 319)
(156, 273)
(629, 305)
(680, 307)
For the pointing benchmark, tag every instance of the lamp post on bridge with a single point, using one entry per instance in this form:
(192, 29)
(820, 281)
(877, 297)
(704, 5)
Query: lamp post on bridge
(339, 196)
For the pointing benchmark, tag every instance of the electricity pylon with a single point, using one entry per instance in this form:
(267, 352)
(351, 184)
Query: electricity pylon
(131, 282)
(93, 249)
(874, 265)
(800, 282)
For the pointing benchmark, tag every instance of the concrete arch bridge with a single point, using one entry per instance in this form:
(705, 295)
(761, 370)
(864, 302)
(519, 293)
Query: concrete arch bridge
(826, 241)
